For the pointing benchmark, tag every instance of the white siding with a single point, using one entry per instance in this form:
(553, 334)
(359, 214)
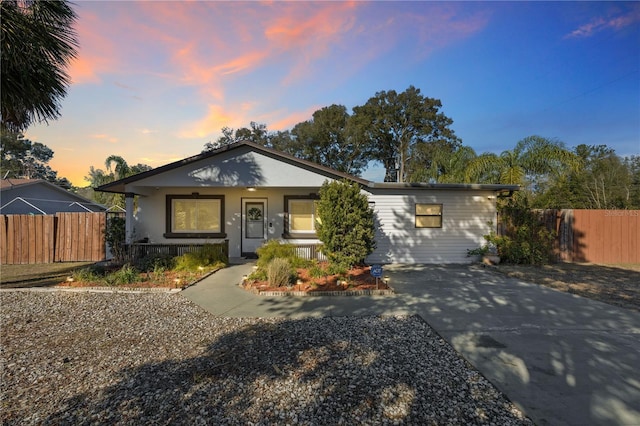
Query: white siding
(150, 220)
(465, 217)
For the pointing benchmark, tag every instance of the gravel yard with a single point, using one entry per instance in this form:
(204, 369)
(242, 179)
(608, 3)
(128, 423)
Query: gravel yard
(88, 358)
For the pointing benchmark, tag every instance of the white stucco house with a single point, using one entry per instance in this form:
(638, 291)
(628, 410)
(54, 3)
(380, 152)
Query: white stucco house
(247, 194)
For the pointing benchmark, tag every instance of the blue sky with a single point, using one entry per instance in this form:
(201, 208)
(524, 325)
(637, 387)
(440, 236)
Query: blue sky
(155, 81)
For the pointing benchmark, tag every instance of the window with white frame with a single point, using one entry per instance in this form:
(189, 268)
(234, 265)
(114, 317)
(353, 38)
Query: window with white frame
(195, 216)
(428, 215)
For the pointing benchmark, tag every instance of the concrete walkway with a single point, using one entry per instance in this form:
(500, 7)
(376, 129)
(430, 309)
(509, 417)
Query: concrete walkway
(565, 360)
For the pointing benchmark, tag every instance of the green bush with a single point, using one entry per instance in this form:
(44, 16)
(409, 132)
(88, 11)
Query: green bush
(89, 274)
(125, 275)
(156, 262)
(526, 238)
(345, 223)
(259, 274)
(207, 256)
(280, 273)
(274, 249)
(337, 269)
(115, 236)
(317, 271)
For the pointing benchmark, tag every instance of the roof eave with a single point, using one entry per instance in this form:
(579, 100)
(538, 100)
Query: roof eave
(444, 186)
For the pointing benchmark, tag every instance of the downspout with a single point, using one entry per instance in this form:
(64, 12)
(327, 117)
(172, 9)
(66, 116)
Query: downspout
(128, 226)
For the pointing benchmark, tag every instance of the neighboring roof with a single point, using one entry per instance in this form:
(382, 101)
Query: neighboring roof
(13, 183)
(18, 197)
(119, 185)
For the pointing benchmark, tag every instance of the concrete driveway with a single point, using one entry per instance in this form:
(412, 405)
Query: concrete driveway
(563, 359)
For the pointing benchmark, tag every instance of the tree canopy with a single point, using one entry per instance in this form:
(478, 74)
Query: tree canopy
(22, 158)
(531, 163)
(403, 129)
(415, 142)
(38, 42)
(120, 170)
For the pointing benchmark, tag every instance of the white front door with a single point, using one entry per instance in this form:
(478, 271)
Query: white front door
(254, 224)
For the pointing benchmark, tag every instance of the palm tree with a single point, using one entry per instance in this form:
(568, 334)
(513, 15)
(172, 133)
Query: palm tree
(529, 163)
(38, 42)
(122, 169)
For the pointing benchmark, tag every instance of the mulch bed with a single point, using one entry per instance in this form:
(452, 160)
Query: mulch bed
(167, 279)
(358, 279)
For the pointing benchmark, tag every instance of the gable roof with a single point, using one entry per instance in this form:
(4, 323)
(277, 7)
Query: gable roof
(119, 185)
(38, 196)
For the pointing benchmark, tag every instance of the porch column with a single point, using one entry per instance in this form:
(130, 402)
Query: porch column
(128, 225)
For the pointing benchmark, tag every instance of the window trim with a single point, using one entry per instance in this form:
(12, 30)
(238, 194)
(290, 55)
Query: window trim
(297, 235)
(168, 216)
(416, 215)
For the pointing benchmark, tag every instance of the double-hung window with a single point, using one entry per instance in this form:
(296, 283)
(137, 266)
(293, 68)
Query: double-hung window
(300, 214)
(195, 216)
(428, 215)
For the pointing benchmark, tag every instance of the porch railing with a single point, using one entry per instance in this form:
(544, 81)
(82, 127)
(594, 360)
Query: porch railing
(137, 251)
(310, 252)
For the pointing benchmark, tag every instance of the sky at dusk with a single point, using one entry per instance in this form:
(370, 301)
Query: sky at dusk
(155, 81)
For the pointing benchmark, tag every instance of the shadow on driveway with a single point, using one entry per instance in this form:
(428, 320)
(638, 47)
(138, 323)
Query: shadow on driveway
(562, 358)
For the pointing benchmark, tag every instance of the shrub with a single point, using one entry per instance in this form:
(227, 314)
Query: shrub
(337, 269)
(156, 262)
(317, 271)
(526, 238)
(259, 274)
(115, 236)
(207, 256)
(345, 223)
(274, 249)
(89, 274)
(280, 273)
(125, 275)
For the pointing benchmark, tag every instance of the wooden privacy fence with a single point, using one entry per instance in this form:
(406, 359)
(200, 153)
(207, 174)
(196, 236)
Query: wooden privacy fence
(63, 237)
(596, 236)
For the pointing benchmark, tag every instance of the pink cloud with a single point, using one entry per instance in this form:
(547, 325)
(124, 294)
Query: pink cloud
(104, 137)
(599, 24)
(215, 119)
(96, 53)
(289, 120)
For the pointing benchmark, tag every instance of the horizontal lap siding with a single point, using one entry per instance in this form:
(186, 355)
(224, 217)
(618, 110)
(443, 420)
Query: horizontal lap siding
(465, 220)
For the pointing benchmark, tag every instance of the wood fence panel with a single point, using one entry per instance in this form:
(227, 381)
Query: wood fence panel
(605, 236)
(23, 229)
(48, 238)
(25, 239)
(35, 240)
(3, 240)
(65, 237)
(634, 241)
(80, 237)
(98, 227)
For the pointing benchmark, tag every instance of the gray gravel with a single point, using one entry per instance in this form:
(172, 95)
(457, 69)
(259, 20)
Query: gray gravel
(95, 358)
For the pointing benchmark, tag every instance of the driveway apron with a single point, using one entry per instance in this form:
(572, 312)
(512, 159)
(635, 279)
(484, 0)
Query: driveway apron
(563, 359)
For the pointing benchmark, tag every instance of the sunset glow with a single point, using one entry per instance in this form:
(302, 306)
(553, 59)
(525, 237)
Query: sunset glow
(155, 81)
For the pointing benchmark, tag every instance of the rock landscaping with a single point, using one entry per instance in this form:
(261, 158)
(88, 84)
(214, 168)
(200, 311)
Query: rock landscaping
(156, 358)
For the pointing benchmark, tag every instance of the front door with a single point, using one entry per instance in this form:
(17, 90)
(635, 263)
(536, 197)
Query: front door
(254, 224)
